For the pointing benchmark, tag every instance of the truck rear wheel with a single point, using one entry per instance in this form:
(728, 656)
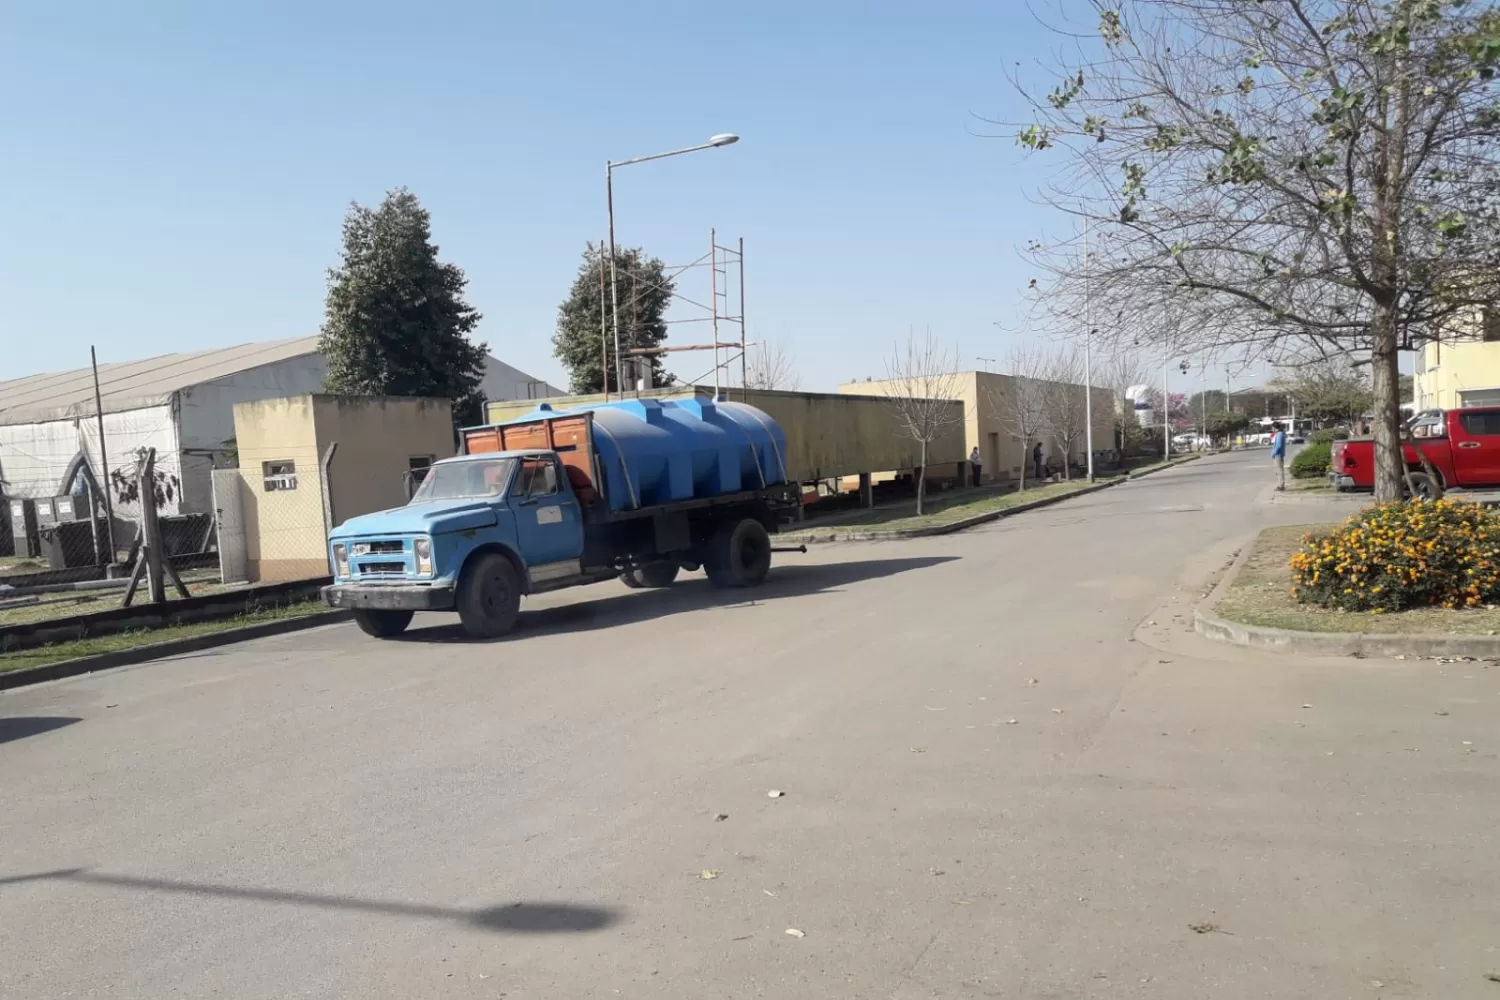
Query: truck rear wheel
(382, 624)
(1423, 485)
(651, 575)
(489, 597)
(739, 554)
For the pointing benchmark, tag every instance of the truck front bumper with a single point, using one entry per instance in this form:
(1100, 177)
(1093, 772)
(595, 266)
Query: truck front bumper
(390, 597)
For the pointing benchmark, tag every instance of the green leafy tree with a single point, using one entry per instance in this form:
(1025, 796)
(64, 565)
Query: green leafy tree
(585, 330)
(1326, 392)
(1278, 176)
(396, 322)
(1227, 423)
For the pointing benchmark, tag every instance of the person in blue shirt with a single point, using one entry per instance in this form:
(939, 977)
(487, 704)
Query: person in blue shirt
(1278, 454)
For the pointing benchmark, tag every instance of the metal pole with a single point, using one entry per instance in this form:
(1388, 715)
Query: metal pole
(1166, 405)
(614, 281)
(713, 299)
(744, 337)
(603, 329)
(1088, 352)
(109, 507)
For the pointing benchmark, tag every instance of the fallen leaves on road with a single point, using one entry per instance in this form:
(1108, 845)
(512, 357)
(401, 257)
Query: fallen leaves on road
(1057, 711)
(1306, 705)
(794, 932)
(708, 873)
(1032, 680)
(917, 749)
(721, 817)
(775, 793)
(1207, 927)
(1493, 977)
(1011, 722)
(1441, 711)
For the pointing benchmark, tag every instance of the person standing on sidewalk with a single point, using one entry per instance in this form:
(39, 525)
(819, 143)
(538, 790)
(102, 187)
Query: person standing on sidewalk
(977, 466)
(1278, 454)
(1036, 462)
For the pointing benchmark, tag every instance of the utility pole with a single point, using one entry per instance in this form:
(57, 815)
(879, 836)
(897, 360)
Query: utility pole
(1088, 351)
(109, 507)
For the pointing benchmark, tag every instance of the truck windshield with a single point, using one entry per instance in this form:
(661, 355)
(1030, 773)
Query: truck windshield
(469, 478)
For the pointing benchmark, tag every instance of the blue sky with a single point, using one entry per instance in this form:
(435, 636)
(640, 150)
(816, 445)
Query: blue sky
(175, 173)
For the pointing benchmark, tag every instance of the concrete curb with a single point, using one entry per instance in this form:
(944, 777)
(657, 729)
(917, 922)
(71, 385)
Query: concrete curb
(813, 537)
(1284, 640)
(172, 647)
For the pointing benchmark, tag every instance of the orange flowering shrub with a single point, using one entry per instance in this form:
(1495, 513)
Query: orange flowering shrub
(1403, 555)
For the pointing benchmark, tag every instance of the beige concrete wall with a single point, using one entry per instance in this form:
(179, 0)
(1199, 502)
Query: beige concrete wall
(377, 436)
(827, 434)
(989, 421)
(285, 534)
(1467, 364)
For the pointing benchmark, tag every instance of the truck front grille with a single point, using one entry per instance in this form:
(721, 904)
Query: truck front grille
(382, 567)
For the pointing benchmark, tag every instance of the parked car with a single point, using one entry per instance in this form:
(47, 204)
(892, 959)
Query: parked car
(1463, 446)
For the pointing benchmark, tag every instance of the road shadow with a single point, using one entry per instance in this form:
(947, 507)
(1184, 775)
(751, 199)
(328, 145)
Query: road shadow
(693, 593)
(512, 918)
(32, 725)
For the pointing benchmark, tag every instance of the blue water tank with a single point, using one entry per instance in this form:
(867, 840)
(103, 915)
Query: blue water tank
(654, 452)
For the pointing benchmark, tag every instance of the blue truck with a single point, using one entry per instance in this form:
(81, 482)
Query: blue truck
(637, 490)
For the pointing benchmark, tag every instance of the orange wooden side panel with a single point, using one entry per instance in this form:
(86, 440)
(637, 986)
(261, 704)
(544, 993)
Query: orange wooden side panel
(568, 436)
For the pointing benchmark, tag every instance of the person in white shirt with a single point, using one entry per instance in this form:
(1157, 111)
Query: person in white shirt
(977, 465)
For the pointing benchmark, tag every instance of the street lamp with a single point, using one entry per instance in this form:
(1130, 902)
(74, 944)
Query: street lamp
(722, 139)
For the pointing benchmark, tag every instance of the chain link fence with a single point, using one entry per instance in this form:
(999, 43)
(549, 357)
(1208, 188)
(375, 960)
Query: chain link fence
(70, 558)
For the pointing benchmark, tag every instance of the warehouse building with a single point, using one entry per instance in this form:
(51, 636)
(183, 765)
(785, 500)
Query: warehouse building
(180, 404)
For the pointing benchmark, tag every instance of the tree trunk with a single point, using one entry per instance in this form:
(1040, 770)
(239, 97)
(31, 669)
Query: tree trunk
(922, 478)
(1389, 464)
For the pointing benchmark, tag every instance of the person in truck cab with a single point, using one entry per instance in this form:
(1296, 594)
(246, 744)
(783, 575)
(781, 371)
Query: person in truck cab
(1278, 454)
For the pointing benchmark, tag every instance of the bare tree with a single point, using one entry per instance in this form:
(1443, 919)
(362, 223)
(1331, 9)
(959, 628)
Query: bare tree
(1063, 402)
(922, 384)
(1022, 399)
(1119, 370)
(770, 366)
(1281, 176)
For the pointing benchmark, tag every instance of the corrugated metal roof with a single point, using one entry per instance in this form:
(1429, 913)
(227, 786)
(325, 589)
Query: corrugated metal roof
(130, 385)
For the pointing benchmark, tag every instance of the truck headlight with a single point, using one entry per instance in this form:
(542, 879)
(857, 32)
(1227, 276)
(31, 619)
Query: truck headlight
(340, 559)
(421, 547)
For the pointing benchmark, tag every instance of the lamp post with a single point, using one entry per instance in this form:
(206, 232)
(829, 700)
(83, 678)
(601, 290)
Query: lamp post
(1088, 351)
(722, 139)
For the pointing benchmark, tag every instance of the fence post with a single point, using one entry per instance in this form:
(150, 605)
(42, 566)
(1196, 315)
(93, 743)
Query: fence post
(152, 562)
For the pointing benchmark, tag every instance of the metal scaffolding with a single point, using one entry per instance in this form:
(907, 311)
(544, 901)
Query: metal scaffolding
(726, 281)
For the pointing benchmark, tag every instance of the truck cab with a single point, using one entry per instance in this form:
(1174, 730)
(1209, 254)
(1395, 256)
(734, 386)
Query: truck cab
(514, 512)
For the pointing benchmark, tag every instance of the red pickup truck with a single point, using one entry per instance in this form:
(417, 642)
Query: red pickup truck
(1462, 445)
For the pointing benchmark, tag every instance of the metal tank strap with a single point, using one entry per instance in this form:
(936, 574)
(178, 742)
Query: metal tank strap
(629, 483)
(770, 433)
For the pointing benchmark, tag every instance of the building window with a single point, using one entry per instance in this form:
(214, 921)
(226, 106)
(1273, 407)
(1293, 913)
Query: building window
(1490, 324)
(418, 465)
(279, 475)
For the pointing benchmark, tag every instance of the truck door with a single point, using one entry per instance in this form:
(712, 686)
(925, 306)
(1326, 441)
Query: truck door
(1476, 448)
(549, 525)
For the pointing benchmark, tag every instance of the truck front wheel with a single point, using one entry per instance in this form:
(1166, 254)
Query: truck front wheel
(382, 624)
(489, 597)
(739, 554)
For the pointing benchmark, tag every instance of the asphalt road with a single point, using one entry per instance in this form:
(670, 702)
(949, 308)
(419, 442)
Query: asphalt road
(324, 815)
